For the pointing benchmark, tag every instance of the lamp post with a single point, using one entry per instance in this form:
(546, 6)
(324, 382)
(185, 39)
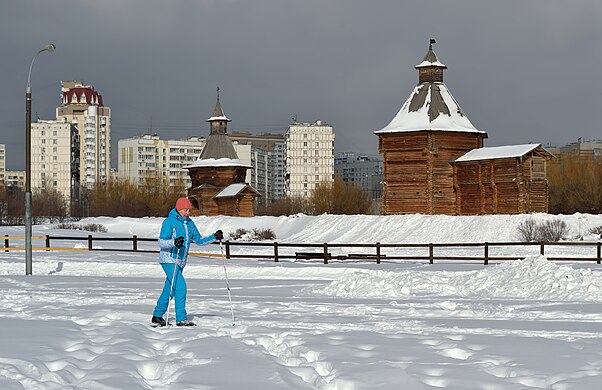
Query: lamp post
(28, 263)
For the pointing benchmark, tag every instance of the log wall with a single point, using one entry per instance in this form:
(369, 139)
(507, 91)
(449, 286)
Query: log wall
(501, 186)
(417, 170)
(207, 182)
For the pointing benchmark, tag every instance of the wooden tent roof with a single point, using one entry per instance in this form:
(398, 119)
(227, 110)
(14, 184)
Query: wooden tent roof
(430, 106)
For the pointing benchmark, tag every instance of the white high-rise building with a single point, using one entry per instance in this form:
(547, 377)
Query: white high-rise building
(148, 156)
(83, 107)
(309, 157)
(55, 156)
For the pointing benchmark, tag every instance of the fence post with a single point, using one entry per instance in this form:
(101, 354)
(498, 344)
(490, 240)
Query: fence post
(89, 242)
(541, 248)
(378, 253)
(135, 243)
(6, 243)
(325, 253)
(599, 251)
(228, 249)
(275, 251)
(47, 242)
(486, 253)
(431, 250)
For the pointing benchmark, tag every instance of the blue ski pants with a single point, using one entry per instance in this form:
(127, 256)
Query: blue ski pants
(177, 290)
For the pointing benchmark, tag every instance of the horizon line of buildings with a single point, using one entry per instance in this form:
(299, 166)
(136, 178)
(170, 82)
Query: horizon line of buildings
(72, 152)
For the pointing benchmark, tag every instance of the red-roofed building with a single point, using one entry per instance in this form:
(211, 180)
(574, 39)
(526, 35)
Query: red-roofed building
(83, 107)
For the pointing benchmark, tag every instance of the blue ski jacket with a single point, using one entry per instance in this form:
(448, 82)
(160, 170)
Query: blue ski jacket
(175, 226)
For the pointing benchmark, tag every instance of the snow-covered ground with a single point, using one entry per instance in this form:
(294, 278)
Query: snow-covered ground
(82, 320)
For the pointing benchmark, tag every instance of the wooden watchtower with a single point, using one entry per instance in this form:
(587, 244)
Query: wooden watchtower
(427, 134)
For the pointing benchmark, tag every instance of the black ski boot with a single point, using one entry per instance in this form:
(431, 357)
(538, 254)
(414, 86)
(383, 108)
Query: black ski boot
(157, 321)
(185, 323)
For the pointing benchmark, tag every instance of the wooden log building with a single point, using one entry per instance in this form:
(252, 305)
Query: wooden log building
(502, 180)
(218, 176)
(423, 172)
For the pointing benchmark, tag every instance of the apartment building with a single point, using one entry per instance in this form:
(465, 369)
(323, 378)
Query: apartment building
(583, 148)
(15, 179)
(365, 171)
(267, 163)
(148, 156)
(309, 157)
(83, 107)
(55, 153)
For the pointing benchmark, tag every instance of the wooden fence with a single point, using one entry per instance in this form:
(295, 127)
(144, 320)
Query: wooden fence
(326, 252)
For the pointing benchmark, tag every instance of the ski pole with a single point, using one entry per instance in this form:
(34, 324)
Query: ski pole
(171, 288)
(221, 248)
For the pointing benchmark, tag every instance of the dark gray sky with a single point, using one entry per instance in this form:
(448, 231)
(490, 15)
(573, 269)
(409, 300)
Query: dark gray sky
(524, 71)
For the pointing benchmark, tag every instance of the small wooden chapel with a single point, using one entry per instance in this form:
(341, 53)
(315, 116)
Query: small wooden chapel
(218, 176)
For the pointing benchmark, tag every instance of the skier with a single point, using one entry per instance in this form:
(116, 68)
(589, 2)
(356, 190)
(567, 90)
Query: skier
(178, 231)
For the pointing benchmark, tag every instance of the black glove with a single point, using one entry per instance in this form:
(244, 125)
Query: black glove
(218, 235)
(178, 242)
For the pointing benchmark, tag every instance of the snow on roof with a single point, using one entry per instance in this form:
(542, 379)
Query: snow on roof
(494, 152)
(219, 118)
(220, 162)
(430, 107)
(424, 64)
(231, 190)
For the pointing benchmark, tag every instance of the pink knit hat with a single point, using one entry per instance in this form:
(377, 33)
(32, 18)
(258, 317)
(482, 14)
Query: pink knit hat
(183, 203)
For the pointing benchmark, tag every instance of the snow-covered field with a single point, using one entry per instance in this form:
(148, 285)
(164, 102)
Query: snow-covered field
(82, 320)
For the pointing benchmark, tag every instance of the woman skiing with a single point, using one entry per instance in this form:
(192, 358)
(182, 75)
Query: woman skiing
(178, 231)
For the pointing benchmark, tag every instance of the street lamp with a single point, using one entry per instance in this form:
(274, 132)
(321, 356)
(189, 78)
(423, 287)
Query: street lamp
(28, 264)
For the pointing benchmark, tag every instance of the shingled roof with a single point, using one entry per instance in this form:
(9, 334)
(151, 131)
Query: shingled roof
(218, 113)
(219, 150)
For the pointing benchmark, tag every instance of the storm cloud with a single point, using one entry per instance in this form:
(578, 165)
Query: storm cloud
(524, 71)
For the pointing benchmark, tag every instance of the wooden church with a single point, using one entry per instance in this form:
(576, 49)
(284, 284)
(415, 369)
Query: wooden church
(424, 168)
(218, 176)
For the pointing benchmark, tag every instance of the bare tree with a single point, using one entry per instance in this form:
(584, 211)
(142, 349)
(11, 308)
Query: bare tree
(48, 203)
